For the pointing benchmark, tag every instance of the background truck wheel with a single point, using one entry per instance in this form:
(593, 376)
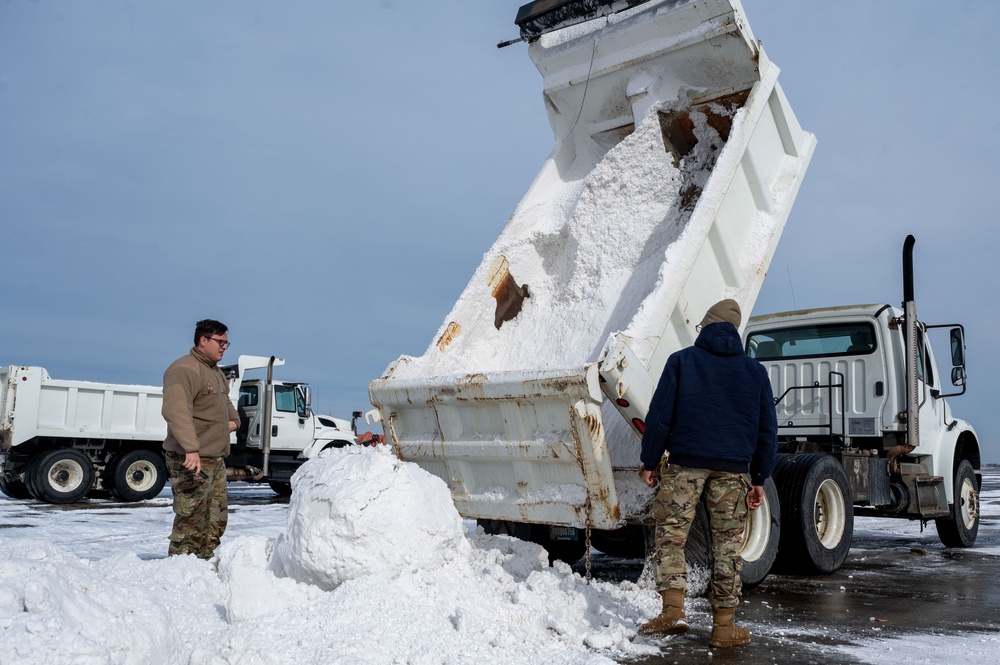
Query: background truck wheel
(15, 489)
(817, 516)
(138, 475)
(281, 489)
(64, 475)
(961, 529)
(760, 539)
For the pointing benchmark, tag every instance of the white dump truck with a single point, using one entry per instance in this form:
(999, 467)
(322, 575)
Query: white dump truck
(62, 440)
(676, 162)
(863, 419)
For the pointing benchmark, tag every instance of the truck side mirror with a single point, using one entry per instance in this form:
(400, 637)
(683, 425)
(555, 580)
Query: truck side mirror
(957, 350)
(957, 347)
(958, 376)
(303, 408)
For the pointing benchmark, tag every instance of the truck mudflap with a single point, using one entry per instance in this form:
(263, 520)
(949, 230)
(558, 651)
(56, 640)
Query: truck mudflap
(520, 446)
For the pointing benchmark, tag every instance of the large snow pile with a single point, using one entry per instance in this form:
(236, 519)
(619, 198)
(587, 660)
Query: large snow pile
(363, 514)
(97, 590)
(427, 594)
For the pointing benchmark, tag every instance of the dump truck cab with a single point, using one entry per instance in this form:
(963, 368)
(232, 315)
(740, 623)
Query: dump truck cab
(839, 377)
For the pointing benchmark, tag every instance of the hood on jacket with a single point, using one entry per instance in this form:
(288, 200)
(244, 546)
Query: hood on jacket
(720, 339)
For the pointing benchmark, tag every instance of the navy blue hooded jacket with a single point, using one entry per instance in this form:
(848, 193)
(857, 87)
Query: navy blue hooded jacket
(713, 409)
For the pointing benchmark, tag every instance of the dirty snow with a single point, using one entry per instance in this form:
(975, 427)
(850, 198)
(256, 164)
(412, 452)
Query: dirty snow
(602, 241)
(369, 563)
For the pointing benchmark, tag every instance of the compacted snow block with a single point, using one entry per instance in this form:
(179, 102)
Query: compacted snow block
(361, 511)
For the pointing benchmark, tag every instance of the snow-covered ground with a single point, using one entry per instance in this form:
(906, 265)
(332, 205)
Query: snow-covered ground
(368, 563)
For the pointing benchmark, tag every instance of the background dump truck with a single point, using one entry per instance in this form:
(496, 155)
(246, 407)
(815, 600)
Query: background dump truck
(676, 162)
(61, 441)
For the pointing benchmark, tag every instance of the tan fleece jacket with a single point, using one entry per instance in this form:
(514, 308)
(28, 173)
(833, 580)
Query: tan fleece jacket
(196, 407)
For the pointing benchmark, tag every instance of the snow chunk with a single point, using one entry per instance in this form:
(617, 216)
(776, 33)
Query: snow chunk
(254, 591)
(361, 511)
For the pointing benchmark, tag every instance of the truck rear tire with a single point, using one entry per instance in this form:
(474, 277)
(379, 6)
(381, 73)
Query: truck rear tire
(817, 514)
(15, 489)
(761, 537)
(627, 542)
(63, 475)
(139, 475)
(760, 544)
(699, 556)
(961, 529)
(29, 476)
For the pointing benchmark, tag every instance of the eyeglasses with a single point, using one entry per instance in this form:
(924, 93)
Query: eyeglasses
(223, 344)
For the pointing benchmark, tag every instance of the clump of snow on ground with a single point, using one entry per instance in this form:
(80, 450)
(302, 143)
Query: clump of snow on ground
(430, 593)
(363, 514)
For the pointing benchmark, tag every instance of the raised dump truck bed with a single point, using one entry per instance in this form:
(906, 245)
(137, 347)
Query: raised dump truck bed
(676, 162)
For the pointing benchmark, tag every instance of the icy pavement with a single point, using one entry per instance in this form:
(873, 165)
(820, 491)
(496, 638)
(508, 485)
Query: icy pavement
(90, 584)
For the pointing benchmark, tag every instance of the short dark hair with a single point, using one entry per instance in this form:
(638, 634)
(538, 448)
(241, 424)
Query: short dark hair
(207, 328)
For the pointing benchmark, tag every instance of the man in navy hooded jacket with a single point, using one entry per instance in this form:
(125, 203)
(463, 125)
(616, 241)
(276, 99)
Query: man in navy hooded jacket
(713, 416)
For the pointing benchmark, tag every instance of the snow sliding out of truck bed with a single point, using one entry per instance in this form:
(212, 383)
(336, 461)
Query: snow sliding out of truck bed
(675, 165)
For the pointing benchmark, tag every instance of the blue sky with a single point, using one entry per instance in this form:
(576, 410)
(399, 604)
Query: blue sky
(325, 177)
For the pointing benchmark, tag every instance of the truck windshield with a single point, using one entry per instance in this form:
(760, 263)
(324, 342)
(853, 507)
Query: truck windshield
(831, 339)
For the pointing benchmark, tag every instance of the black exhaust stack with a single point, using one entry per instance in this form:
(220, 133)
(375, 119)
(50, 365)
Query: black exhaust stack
(912, 349)
(265, 439)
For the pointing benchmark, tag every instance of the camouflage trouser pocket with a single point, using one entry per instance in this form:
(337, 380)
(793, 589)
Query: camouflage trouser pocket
(741, 509)
(182, 479)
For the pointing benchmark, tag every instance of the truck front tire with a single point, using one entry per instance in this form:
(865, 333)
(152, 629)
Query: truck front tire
(961, 529)
(63, 475)
(138, 475)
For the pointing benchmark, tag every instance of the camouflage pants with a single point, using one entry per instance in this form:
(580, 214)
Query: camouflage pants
(201, 506)
(681, 489)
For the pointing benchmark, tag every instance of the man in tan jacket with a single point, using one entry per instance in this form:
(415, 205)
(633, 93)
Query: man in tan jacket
(199, 419)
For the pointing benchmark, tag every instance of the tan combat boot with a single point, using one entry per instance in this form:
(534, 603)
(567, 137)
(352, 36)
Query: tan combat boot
(671, 620)
(724, 633)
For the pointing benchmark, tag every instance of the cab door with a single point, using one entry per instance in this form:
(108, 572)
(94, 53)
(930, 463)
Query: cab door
(291, 426)
(932, 409)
